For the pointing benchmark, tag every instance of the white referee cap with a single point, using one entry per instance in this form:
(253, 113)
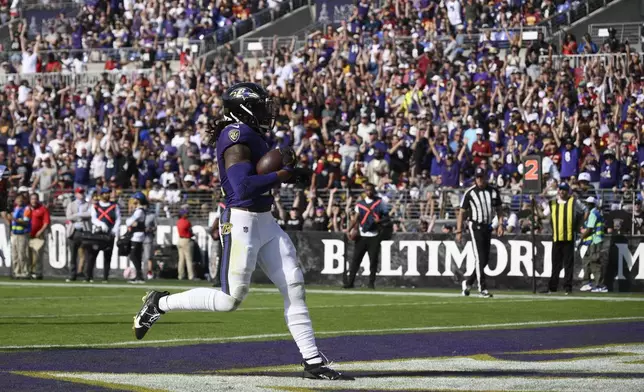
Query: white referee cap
(591, 200)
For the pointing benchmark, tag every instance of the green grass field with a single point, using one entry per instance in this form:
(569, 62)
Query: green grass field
(64, 315)
(460, 341)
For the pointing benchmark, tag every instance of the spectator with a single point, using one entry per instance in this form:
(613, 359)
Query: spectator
(78, 221)
(184, 246)
(40, 222)
(20, 229)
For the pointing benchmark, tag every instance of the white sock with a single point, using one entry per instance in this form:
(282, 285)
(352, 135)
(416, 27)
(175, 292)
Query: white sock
(299, 323)
(199, 299)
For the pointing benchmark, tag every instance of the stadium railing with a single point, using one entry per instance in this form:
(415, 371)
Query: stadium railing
(580, 60)
(409, 205)
(631, 32)
(261, 46)
(75, 79)
(166, 51)
(49, 4)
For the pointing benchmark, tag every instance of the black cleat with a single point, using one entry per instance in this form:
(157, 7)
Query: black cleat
(149, 313)
(322, 371)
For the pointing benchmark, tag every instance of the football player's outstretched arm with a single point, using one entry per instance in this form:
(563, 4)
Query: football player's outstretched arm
(241, 175)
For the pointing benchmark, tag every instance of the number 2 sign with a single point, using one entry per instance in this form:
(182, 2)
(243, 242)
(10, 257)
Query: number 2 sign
(532, 174)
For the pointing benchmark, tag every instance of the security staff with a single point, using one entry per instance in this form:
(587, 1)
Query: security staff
(106, 220)
(482, 202)
(566, 213)
(596, 253)
(136, 226)
(78, 222)
(369, 214)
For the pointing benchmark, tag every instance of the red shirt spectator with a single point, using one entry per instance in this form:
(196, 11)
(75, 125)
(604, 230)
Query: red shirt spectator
(111, 64)
(39, 218)
(184, 227)
(481, 149)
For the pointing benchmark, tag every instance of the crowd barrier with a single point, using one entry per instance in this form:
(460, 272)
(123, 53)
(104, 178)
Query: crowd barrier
(581, 60)
(76, 79)
(630, 32)
(409, 260)
(166, 51)
(408, 205)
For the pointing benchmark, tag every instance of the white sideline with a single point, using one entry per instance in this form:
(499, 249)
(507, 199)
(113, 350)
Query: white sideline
(320, 333)
(409, 293)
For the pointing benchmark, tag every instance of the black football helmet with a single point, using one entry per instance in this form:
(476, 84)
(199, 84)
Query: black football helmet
(249, 103)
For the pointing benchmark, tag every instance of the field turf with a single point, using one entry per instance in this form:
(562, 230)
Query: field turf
(57, 336)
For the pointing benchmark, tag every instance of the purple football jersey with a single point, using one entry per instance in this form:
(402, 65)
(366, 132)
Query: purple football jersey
(242, 134)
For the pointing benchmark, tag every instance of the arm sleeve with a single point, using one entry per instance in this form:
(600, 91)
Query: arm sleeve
(68, 212)
(546, 208)
(117, 222)
(245, 184)
(84, 214)
(94, 217)
(134, 218)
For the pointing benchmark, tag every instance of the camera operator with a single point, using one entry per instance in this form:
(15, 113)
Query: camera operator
(106, 220)
(370, 214)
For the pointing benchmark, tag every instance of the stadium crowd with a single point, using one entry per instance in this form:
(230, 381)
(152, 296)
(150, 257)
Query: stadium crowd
(121, 32)
(413, 116)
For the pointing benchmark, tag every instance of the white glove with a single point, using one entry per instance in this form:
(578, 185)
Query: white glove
(104, 227)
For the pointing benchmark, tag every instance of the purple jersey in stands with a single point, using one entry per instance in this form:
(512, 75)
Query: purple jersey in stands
(242, 134)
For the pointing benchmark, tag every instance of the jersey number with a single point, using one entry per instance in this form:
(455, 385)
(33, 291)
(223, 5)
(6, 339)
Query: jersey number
(531, 172)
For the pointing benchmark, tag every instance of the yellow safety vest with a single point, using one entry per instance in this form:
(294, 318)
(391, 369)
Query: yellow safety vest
(562, 216)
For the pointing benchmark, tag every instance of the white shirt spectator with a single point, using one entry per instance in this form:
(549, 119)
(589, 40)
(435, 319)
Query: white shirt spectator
(97, 166)
(156, 195)
(168, 178)
(23, 92)
(510, 222)
(29, 62)
(173, 196)
(454, 12)
(364, 130)
(55, 145)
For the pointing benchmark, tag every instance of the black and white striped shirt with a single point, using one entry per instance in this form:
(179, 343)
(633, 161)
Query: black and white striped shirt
(481, 204)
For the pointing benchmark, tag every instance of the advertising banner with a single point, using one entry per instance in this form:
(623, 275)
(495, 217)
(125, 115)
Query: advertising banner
(333, 11)
(407, 260)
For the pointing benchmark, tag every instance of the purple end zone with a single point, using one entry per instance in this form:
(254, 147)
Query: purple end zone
(18, 382)
(206, 358)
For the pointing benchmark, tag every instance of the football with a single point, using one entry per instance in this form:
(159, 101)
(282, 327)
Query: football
(270, 162)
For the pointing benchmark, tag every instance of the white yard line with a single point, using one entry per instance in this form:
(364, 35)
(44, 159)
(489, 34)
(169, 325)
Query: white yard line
(54, 297)
(322, 333)
(242, 309)
(408, 293)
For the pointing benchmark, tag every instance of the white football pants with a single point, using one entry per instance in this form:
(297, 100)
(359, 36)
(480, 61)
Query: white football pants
(248, 239)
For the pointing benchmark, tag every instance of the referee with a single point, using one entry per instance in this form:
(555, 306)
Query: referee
(481, 201)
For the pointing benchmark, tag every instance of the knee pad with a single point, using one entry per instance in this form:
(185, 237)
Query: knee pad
(295, 292)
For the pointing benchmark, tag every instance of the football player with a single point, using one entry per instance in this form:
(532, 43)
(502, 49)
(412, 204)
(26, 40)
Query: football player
(249, 233)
